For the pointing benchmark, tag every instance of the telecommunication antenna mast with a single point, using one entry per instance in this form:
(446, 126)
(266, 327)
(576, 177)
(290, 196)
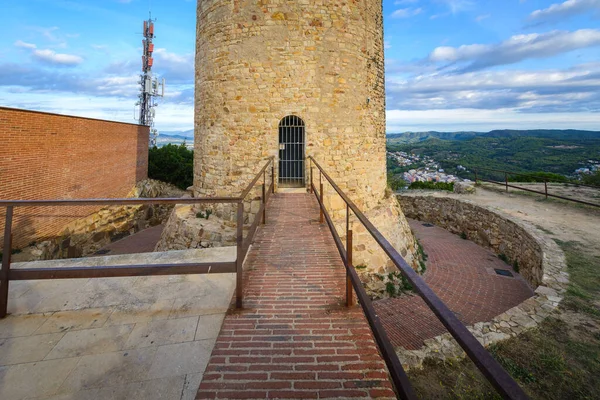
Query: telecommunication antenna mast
(150, 88)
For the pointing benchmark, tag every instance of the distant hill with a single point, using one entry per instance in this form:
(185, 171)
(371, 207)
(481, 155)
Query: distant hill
(556, 151)
(186, 134)
(176, 138)
(560, 134)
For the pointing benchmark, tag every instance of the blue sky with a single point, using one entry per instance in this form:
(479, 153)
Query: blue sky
(450, 64)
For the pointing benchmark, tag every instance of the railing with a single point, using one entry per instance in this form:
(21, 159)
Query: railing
(490, 368)
(7, 275)
(539, 180)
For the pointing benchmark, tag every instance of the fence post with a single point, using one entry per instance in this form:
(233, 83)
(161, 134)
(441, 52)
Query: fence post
(506, 181)
(546, 187)
(7, 250)
(476, 177)
(349, 296)
(239, 262)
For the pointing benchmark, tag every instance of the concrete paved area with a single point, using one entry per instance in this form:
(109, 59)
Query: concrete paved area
(113, 338)
(462, 274)
(295, 338)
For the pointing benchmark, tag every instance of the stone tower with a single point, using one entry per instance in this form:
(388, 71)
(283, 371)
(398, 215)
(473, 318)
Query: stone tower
(304, 77)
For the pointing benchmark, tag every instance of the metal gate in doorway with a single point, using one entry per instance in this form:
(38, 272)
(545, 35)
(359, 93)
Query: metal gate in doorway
(291, 152)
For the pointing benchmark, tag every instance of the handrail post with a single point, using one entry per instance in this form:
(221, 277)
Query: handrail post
(546, 188)
(506, 181)
(264, 203)
(273, 175)
(349, 296)
(311, 176)
(239, 262)
(321, 216)
(7, 250)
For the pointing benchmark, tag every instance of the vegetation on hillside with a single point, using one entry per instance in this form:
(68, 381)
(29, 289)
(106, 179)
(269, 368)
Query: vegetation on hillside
(172, 164)
(511, 153)
(449, 186)
(593, 179)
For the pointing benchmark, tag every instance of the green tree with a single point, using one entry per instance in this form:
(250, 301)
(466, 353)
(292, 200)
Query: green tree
(593, 179)
(173, 164)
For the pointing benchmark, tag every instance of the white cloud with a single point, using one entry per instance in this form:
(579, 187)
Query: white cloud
(406, 12)
(457, 6)
(516, 48)
(24, 45)
(52, 57)
(560, 11)
(485, 120)
(574, 89)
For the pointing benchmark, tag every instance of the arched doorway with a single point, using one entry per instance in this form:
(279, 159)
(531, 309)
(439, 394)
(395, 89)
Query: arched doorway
(291, 152)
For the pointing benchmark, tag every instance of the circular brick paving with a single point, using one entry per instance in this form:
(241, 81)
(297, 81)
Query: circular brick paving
(462, 274)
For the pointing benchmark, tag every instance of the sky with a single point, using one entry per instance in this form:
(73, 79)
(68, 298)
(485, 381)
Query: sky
(451, 65)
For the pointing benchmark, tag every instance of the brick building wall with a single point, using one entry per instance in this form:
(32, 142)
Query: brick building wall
(49, 156)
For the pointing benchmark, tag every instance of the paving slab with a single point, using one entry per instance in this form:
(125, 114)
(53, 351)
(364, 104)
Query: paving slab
(113, 338)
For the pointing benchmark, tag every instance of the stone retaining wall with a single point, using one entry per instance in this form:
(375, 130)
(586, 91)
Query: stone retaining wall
(85, 236)
(541, 262)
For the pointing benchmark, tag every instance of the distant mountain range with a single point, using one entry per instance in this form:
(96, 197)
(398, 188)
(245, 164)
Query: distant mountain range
(176, 138)
(415, 137)
(186, 134)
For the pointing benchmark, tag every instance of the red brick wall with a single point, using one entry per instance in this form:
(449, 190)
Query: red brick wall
(49, 156)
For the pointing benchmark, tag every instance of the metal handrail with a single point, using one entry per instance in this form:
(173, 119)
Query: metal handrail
(490, 368)
(545, 181)
(533, 176)
(6, 275)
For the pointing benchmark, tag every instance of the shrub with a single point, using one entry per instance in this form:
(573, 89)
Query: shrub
(449, 186)
(172, 164)
(593, 179)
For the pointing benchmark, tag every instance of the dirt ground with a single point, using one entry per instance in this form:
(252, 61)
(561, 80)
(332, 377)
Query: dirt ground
(558, 219)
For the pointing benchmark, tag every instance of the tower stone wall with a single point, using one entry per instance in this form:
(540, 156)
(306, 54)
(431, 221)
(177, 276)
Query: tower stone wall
(258, 61)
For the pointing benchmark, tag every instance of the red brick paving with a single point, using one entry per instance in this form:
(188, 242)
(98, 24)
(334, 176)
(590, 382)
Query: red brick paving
(462, 274)
(294, 338)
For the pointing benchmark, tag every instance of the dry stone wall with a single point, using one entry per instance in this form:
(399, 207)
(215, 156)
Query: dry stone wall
(540, 261)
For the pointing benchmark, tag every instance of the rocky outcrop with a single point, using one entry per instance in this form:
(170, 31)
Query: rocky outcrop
(87, 235)
(190, 228)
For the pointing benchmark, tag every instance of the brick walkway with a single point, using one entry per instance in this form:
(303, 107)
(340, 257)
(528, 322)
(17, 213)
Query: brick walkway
(462, 274)
(294, 338)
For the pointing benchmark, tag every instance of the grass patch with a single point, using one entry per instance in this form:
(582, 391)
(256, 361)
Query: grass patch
(432, 186)
(558, 360)
(204, 214)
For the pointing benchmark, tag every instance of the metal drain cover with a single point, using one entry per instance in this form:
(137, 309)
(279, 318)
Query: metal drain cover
(504, 272)
(428, 225)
